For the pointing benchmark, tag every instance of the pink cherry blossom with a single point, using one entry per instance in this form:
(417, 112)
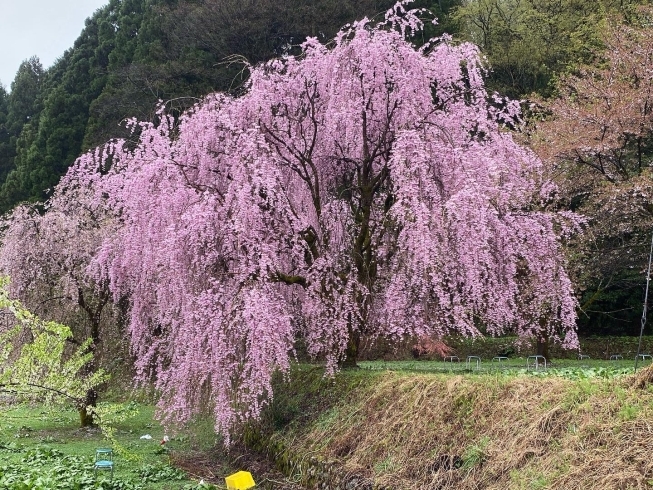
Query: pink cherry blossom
(364, 188)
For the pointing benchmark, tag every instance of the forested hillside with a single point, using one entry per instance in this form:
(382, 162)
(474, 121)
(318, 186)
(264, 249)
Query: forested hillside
(132, 54)
(574, 60)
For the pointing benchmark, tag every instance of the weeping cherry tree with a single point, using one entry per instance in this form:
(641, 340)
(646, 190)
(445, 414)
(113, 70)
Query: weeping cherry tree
(364, 188)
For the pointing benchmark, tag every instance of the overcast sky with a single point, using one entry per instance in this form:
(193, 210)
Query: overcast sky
(45, 28)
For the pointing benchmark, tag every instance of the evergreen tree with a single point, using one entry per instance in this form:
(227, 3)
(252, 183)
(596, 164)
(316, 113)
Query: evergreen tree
(59, 121)
(6, 148)
(180, 51)
(23, 109)
(24, 99)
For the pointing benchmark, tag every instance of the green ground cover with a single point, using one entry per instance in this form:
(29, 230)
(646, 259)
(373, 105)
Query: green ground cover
(571, 368)
(42, 449)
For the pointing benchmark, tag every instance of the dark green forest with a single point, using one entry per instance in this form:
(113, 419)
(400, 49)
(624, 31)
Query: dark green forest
(135, 54)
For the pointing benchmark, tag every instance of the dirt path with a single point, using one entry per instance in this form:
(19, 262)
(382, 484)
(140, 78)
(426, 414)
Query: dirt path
(213, 466)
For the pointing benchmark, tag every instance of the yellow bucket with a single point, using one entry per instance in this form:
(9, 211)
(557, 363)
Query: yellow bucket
(241, 480)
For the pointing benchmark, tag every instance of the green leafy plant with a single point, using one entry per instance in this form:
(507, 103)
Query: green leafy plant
(580, 373)
(628, 412)
(153, 473)
(46, 468)
(42, 369)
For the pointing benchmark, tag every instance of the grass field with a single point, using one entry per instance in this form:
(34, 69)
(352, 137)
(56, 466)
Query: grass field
(41, 449)
(514, 366)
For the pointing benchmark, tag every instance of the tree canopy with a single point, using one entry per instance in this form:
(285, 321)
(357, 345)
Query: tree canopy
(36, 362)
(367, 187)
(530, 42)
(361, 186)
(130, 55)
(133, 53)
(598, 134)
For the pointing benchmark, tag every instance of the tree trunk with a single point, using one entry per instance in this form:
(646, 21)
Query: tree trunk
(86, 418)
(543, 347)
(94, 313)
(351, 354)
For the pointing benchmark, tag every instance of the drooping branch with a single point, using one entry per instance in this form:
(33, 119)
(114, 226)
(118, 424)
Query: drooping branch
(289, 279)
(13, 388)
(339, 172)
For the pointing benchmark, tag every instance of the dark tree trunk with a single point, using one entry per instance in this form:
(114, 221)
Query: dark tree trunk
(94, 313)
(351, 354)
(543, 347)
(86, 418)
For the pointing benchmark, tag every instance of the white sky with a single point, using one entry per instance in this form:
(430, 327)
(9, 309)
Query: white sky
(45, 28)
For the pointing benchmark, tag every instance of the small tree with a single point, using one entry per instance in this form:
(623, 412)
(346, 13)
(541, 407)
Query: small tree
(35, 362)
(598, 138)
(47, 255)
(46, 250)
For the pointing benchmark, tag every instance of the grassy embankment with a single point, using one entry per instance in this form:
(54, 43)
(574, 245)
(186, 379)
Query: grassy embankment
(585, 426)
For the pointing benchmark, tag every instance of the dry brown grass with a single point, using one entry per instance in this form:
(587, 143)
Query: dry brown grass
(644, 378)
(411, 431)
